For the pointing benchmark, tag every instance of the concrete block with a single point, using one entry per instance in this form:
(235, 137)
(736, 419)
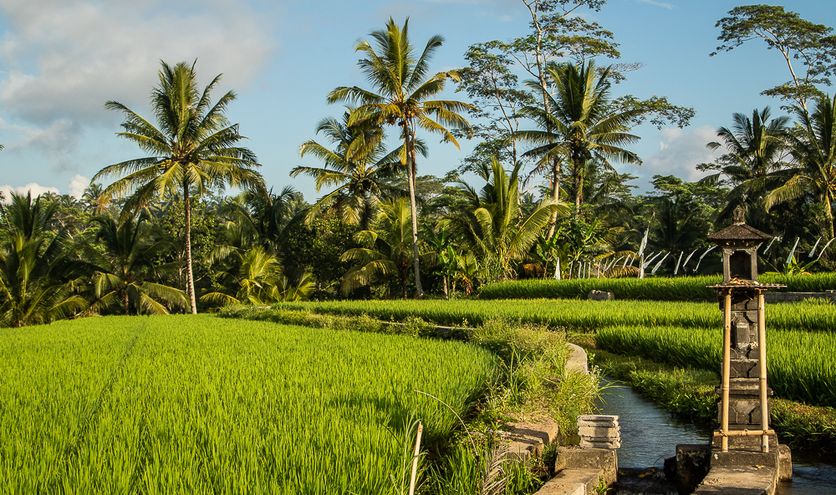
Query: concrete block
(602, 432)
(784, 463)
(597, 420)
(600, 444)
(576, 458)
(738, 481)
(599, 295)
(573, 482)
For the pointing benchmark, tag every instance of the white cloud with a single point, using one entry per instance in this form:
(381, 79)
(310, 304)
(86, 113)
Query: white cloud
(33, 187)
(65, 58)
(77, 186)
(655, 3)
(680, 151)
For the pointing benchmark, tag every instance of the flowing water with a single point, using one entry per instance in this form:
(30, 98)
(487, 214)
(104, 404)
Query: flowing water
(649, 435)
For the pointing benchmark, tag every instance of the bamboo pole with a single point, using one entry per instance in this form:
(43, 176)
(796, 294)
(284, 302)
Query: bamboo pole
(415, 456)
(724, 417)
(744, 433)
(762, 359)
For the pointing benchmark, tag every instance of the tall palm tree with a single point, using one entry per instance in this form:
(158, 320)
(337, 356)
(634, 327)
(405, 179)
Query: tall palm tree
(36, 276)
(754, 152)
(357, 168)
(120, 279)
(813, 148)
(192, 148)
(496, 226)
(581, 126)
(401, 96)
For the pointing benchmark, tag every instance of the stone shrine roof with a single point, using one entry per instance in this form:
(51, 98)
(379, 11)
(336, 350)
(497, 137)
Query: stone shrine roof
(739, 232)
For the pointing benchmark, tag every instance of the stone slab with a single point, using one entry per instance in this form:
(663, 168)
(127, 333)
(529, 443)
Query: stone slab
(602, 432)
(597, 420)
(600, 444)
(572, 482)
(577, 361)
(527, 439)
(573, 458)
(738, 481)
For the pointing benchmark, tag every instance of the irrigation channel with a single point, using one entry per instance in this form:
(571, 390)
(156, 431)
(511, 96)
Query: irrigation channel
(649, 435)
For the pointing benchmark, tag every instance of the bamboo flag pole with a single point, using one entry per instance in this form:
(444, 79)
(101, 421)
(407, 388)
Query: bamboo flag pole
(415, 455)
(724, 418)
(762, 358)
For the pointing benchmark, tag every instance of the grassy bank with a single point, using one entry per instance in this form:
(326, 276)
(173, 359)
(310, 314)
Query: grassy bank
(652, 288)
(801, 365)
(203, 404)
(574, 314)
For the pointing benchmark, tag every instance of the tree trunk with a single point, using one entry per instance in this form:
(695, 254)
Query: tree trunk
(557, 269)
(189, 273)
(411, 170)
(579, 179)
(446, 292)
(555, 195)
(126, 302)
(828, 211)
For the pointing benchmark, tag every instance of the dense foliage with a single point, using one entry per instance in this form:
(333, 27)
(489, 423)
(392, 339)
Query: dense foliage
(550, 121)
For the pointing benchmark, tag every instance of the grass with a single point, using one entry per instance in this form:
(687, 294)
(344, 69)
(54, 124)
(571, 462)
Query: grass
(574, 314)
(652, 288)
(801, 365)
(203, 404)
(531, 383)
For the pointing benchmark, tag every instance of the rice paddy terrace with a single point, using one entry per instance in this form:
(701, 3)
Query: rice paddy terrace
(183, 404)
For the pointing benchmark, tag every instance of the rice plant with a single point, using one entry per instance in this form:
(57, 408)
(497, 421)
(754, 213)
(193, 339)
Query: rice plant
(201, 404)
(654, 288)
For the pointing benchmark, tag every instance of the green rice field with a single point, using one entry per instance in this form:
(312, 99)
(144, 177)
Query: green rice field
(693, 288)
(577, 314)
(801, 338)
(197, 404)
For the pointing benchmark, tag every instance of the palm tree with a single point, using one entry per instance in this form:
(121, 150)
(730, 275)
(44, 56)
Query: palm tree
(36, 277)
(754, 152)
(401, 96)
(260, 281)
(581, 127)
(496, 226)
(192, 148)
(384, 249)
(121, 271)
(813, 148)
(357, 167)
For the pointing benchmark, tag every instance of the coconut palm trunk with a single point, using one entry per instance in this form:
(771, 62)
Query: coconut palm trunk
(413, 207)
(187, 206)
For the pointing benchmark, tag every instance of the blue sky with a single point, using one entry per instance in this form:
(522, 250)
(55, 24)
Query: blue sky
(60, 60)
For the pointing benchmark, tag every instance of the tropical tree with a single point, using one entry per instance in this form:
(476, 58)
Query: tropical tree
(813, 148)
(384, 250)
(36, 276)
(581, 126)
(401, 95)
(755, 150)
(496, 227)
(192, 148)
(123, 269)
(357, 168)
(259, 280)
